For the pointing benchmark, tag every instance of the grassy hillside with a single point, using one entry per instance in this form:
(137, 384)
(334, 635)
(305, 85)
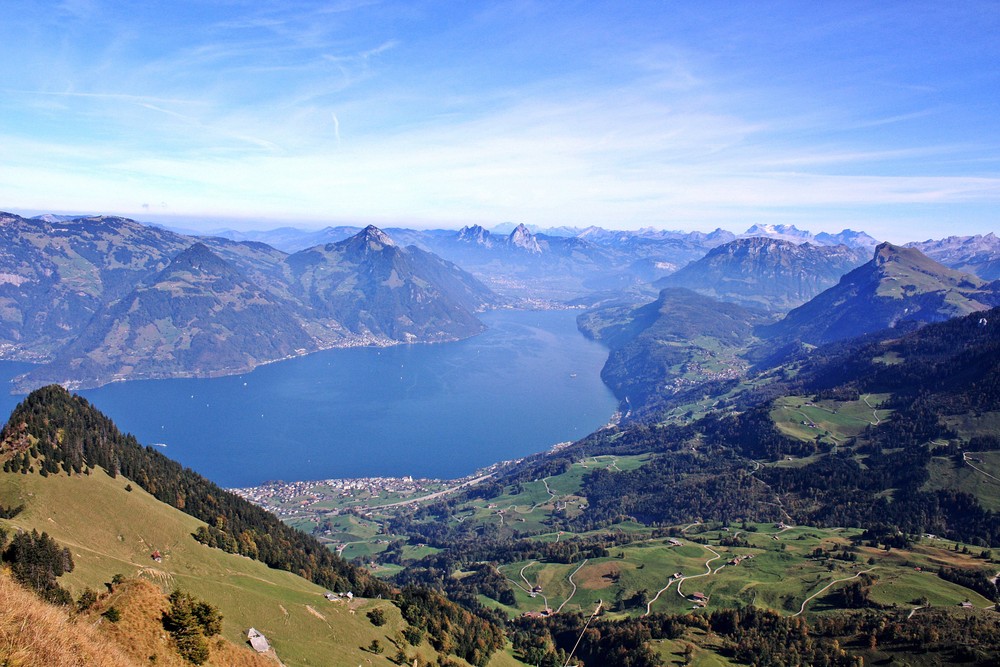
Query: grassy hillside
(111, 530)
(137, 637)
(831, 421)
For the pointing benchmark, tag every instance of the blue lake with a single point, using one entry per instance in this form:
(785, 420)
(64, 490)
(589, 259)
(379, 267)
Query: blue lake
(530, 381)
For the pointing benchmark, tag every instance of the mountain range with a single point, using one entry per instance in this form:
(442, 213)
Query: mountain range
(848, 237)
(766, 273)
(665, 352)
(979, 254)
(102, 299)
(566, 262)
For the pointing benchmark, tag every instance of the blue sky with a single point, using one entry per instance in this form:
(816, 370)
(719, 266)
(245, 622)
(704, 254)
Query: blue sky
(682, 115)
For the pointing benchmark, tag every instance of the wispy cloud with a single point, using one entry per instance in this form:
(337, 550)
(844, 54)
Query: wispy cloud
(640, 114)
(142, 100)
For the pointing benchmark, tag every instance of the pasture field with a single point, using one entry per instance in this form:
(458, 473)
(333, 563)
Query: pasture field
(977, 473)
(791, 570)
(830, 421)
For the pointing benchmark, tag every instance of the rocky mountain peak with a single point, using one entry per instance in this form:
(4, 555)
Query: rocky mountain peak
(370, 239)
(372, 234)
(886, 253)
(522, 238)
(475, 234)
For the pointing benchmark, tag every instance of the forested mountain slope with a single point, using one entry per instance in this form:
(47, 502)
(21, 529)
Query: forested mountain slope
(933, 394)
(680, 341)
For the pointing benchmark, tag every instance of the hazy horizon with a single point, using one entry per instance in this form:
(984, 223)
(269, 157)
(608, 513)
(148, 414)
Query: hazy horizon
(214, 225)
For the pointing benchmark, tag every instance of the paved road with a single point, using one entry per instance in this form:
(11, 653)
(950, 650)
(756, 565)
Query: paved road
(708, 568)
(574, 586)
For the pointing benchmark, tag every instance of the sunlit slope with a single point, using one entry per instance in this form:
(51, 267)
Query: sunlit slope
(35, 632)
(111, 530)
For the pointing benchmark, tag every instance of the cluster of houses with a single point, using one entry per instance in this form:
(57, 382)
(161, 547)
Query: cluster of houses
(287, 498)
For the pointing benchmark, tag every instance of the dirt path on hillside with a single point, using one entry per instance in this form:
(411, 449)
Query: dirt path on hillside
(827, 587)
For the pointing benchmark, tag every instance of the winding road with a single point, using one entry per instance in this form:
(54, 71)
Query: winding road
(574, 586)
(708, 571)
(825, 588)
(874, 411)
(965, 460)
(529, 588)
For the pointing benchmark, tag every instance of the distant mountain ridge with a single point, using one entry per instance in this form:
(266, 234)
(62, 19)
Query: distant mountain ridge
(198, 314)
(848, 237)
(55, 275)
(534, 263)
(767, 273)
(101, 299)
(979, 254)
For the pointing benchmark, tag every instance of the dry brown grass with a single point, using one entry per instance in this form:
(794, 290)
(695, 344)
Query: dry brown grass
(36, 634)
(141, 635)
(597, 576)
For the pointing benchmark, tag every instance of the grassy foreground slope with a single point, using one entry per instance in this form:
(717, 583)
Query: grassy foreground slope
(114, 531)
(34, 632)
